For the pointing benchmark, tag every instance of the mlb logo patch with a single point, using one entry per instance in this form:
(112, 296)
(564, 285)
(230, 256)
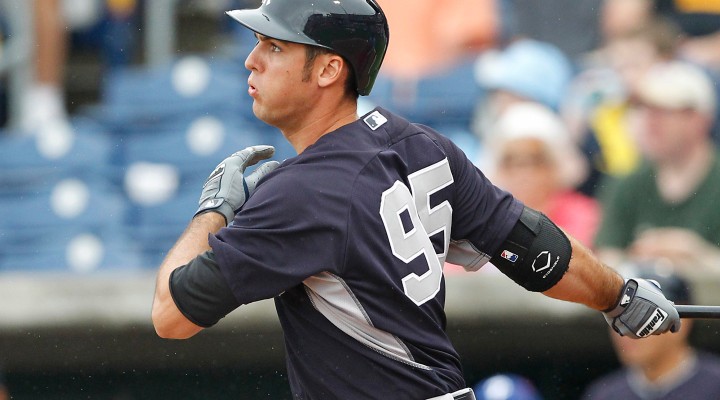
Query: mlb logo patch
(509, 255)
(375, 120)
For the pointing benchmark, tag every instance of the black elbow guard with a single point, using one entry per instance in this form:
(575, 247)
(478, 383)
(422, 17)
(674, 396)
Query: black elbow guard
(536, 253)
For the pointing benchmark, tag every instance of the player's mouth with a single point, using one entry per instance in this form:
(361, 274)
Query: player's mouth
(252, 90)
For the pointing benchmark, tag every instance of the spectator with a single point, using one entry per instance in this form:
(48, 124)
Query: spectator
(424, 29)
(44, 101)
(660, 367)
(106, 24)
(597, 108)
(534, 158)
(667, 208)
(526, 70)
(620, 17)
(700, 24)
(570, 25)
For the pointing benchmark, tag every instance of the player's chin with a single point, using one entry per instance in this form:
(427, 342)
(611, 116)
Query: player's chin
(262, 113)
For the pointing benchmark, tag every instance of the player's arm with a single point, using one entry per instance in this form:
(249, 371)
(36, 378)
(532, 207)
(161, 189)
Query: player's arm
(190, 291)
(540, 257)
(587, 280)
(167, 318)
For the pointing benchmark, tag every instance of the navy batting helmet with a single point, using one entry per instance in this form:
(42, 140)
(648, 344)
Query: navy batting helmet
(357, 30)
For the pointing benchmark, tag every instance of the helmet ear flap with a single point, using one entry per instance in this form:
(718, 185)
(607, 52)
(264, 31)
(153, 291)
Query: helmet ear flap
(355, 29)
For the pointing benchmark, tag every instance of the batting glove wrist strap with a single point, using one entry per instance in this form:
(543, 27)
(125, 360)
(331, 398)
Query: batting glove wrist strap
(642, 310)
(219, 206)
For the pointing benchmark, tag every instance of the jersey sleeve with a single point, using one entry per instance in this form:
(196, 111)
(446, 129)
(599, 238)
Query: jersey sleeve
(200, 291)
(290, 229)
(483, 214)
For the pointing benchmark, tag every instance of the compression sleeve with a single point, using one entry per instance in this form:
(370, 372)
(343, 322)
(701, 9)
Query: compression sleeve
(200, 291)
(536, 254)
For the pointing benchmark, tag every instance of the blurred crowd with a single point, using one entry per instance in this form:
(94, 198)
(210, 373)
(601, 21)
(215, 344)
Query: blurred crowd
(602, 114)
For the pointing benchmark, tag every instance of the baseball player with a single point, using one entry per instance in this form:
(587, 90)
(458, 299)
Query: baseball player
(349, 237)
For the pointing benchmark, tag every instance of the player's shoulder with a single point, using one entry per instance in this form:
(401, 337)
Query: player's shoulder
(613, 385)
(309, 181)
(709, 363)
(395, 127)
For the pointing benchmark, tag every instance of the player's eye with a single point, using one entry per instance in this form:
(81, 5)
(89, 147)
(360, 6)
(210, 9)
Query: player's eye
(274, 47)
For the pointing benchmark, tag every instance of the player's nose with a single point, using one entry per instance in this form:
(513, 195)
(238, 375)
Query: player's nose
(251, 61)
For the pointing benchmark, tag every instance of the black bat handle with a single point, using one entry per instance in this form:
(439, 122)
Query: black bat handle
(687, 311)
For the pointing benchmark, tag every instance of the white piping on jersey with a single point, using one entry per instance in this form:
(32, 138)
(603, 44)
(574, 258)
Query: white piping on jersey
(464, 254)
(331, 296)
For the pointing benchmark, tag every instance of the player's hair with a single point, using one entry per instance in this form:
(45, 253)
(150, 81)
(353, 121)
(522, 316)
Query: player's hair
(311, 53)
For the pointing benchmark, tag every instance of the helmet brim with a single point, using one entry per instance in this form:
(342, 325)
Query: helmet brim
(264, 24)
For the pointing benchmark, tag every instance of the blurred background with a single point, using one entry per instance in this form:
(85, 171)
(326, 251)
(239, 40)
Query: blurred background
(600, 113)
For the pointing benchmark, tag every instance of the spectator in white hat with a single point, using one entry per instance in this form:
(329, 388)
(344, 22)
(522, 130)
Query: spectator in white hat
(667, 209)
(532, 155)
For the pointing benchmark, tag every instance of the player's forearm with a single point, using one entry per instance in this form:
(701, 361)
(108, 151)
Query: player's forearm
(587, 281)
(169, 322)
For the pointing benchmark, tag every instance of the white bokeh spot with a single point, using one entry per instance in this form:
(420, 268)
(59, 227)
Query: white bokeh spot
(190, 76)
(499, 388)
(205, 135)
(150, 184)
(69, 198)
(54, 139)
(85, 253)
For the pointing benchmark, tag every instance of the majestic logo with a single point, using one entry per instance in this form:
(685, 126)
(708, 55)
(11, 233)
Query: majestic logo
(544, 262)
(509, 255)
(375, 120)
(653, 323)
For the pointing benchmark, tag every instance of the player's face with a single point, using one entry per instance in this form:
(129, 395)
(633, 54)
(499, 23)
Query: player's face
(280, 89)
(650, 351)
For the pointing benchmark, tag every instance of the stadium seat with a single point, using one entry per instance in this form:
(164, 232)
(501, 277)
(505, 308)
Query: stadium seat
(192, 146)
(155, 226)
(72, 249)
(30, 162)
(448, 96)
(189, 85)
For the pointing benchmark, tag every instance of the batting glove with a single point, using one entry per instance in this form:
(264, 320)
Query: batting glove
(642, 310)
(227, 189)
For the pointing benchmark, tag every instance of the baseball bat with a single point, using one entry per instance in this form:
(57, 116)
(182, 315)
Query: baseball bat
(707, 312)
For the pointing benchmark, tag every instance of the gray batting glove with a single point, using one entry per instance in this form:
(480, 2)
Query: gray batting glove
(642, 310)
(227, 189)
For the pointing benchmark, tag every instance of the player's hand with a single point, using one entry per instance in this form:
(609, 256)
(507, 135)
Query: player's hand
(642, 310)
(227, 189)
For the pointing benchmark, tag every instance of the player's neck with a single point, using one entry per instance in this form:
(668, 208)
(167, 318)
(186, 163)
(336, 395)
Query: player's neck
(669, 368)
(319, 125)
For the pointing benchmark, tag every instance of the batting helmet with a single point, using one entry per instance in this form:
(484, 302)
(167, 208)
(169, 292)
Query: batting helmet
(357, 30)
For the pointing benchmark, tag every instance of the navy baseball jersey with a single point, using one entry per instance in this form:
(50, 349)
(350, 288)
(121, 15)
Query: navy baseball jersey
(349, 238)
(698, 380)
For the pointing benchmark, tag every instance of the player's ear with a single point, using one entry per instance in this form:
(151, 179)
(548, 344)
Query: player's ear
(332, 70)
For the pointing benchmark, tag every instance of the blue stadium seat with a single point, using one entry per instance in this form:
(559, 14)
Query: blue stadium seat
(156, 227)
(72, 249)
(29, 162)
(70, 202)
(188, 85)
(448, 96)
(194, 147)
